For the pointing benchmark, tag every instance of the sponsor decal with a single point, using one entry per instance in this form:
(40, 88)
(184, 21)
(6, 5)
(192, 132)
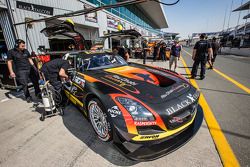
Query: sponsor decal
(114, 111)
(34, 8)
(189, 100)
(141, 123)
(122, 82)
(173, 89)
(79, 81)
(176, 120)
(150, 137)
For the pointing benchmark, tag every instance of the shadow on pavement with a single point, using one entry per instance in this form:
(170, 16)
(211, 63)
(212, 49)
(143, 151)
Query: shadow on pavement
(186, 67)
(188, 76)
(81, 128)
(230, 133)
(223, 91)
(14, 94)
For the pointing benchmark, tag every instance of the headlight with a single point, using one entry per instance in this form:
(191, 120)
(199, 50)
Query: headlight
(137, 111)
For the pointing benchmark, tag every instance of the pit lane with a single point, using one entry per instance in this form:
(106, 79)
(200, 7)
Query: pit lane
(70, 140)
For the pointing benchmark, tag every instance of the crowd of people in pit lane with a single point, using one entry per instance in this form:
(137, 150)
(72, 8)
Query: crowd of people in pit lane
(204, 52)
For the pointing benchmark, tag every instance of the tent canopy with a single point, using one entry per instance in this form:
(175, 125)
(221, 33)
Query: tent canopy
(245, 6)
(247, 16)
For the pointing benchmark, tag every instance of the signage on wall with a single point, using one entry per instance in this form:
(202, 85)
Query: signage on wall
(134, 28)
(113, 22)
(34, 8)
(91, 17)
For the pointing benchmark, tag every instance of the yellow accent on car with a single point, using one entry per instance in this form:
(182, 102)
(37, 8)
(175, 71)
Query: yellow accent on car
(73, 99)
(162, 135)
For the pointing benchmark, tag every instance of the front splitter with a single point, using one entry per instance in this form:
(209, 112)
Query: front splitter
(162, 147)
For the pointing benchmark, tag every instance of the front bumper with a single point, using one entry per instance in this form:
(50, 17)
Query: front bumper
(150, 150)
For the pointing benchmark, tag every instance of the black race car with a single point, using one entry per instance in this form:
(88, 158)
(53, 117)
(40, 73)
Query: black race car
(147, 111)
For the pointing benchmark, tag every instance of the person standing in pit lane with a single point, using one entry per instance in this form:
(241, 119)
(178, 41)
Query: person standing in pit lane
(156, 51)
(175, 55)
(200, 56)
(215, 47)
(163, 49)
(24, 68)
(145, 50)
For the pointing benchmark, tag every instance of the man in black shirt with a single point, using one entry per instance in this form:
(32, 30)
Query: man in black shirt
(163, 49)
(55, 71)
(215, 47)
(199, 56)
(156, 51)
(145, 50)
(24, 68)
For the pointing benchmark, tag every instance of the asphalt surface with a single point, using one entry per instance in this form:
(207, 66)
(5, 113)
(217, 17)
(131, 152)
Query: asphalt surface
(229, 103)
(70, 140)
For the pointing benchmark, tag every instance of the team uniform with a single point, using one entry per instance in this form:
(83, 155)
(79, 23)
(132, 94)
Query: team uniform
(201, 47)
(24, 70)
(51, 72)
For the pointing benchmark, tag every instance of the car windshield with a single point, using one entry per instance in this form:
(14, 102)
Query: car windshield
(101, 62)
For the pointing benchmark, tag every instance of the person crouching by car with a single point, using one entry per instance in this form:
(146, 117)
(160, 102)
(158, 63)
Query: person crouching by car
(24, 69)
(56, 71)
(175, 54)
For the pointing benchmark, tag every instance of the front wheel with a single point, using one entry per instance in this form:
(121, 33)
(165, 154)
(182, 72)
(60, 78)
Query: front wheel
(100, 120)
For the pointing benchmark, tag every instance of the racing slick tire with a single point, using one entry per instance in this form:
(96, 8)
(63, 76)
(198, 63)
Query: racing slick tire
(99, 119)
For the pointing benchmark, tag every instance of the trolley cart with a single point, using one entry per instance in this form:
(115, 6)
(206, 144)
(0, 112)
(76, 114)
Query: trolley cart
(51, 108)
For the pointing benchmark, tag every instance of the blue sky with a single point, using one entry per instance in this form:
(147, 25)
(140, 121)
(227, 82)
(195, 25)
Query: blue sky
(190, 16)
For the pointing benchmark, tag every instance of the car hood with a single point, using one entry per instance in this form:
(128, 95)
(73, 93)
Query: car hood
(148, 84)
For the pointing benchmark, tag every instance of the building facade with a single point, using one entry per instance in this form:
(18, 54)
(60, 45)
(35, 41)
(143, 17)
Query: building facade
(91, 26)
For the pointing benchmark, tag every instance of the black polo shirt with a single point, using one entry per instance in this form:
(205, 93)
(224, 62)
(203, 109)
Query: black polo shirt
(202, 47)
(51, 69)
(20, 59)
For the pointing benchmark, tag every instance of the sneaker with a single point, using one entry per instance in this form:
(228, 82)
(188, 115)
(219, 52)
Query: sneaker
(202, 77)
(29, 99)
(210, 68)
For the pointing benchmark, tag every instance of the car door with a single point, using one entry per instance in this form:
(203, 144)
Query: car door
(75, 89)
